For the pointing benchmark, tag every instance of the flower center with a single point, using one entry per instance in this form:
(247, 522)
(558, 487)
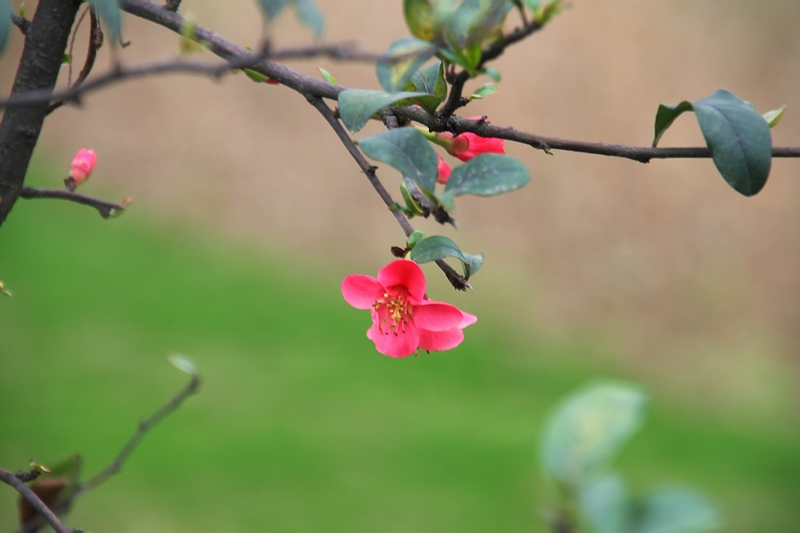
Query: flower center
(395, 309)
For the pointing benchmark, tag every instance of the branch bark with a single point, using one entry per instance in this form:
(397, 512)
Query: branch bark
(38, 69)
(10, 479)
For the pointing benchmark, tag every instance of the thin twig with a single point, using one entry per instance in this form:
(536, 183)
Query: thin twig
(458, 281)
(95, 42)
(143, 428)
(172, 5)
(10, 479)
(106, 209)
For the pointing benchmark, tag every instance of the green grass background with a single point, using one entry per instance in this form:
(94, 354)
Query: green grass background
(300, 425)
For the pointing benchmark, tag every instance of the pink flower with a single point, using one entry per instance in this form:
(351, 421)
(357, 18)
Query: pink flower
(444, 171)
(403, 319)
(465, 146)
(81, 168)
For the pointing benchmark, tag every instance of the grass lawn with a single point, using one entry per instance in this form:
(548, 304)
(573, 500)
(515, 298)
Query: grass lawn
(300, 425)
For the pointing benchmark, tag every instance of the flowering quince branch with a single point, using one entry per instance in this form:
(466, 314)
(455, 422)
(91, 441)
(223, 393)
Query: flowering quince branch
(456, 280)
(105, 208)
(404, 320)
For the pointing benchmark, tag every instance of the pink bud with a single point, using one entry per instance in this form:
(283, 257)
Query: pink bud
(81, 169)
(465, 146)
(444, 171)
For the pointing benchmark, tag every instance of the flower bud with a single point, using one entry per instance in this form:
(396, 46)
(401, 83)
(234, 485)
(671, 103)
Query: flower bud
(81, 168)
(444, 171)
(467, 145)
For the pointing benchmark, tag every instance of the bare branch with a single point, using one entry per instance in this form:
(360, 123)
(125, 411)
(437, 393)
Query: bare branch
(10, 479)
(642, 154)
(106, 209)
(22, 23)
(143, 428)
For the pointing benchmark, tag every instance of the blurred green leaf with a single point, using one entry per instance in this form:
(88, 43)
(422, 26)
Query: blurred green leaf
(309, 15)
(488, 175)
(414, 238)
(475, 20)
(587, 430)
(255, 76)
(483, 91)
(739, 140)
(356, 106)
(112, 16)
(666, 115)
(271, 8)
(675, 510)
(397, 65)
(439, 247)
(492, 73)
(5, 24)
(774, 117)
(604, 504)
(184, 364)
(419, 15)
(533, 4)
(407, 150)
(327, 76)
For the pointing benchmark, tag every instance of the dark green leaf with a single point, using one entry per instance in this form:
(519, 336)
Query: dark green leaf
(739, 140)
(604, 503)
(407, 150)
(586, 431)
(438, 247)
(356, 106)
(398, 64)
(488, 175)
(272, 8)
(112, 17)
(309, 15)
(666, 116)
(5, 23)
(475, 20)
(774, 117)
(675, 510)
(429, 80)
(483, 91)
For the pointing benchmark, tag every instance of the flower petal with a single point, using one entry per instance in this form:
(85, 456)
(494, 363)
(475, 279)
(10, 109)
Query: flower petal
(393, 342)
(468, 320)
(361, 291)
(436, 341)
(437, 316)
(404, 273)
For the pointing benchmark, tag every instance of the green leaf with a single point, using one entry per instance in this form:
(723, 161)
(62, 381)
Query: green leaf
(309, 15)
(739, 140)
(398, 64)
(492, 73)
(414, 238)
(604, 504)
(533, 4)
(112, 16)
(66, 60)
(675, 510)
(488, 175)
(184, 364)
(419, 15)
(5, 23)
(272, 8)
(327, 76)
(666, 115)
(438, 247)
(356, 106)
(774, 117)
(483, 91)
(475, 20)
(429, 80)
(407, 150)
(587, 430)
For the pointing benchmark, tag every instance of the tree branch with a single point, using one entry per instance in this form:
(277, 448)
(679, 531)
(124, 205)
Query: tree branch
(10, 479)
(38, 69)
(22, 23)
(106, 209)
(642, 154)
(458, 281)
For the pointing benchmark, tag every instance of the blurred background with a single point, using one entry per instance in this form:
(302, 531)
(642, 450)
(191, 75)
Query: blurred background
(249, 213)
